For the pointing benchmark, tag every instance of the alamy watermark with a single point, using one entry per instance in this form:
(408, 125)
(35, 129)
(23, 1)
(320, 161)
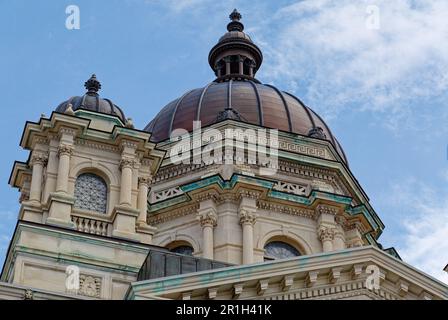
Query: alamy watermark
(72, 279)
(73, 20)
(233, 146)
(373, 19)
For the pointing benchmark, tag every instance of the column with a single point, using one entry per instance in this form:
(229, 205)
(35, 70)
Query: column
(240, 65)
(252, 66)
(339, 240)
(65, 151)
(247, 220)
(247, 213)
(38, 161)
(126, 165)
(227, 61)
(208, 218)
(143, 185)
(326, 226)
(326, 235)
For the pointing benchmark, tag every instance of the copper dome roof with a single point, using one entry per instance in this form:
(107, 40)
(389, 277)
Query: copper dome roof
(236, 94)
(243, 100)
(92, 101)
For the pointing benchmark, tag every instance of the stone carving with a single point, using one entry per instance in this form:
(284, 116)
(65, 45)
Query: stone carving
(65, 149)
(127, 162)
(247, 216)
(29, 295)
(39, 158)
(145, 180)
(290, 188)
(89, 286)
(326, 234)
(165, 194)
(207, 218)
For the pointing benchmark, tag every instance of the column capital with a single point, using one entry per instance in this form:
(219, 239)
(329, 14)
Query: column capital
(326, 234)
(247, 216)
(207, 218)
(145, 180)
(65, 149)
(127, 162)
(39, 158)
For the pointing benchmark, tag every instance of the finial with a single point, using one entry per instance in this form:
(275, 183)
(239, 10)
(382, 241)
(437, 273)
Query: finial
(129, 123)
(235, 24)
(235, 15)
(92, 85)
(69, 109)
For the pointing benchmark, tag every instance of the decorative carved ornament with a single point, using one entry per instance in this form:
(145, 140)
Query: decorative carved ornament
(89, 286)
(165, 194)
(39, 158)
(65, 149)
(207, 218)
(145, 180)
(247, 216)
(290, 188)
(326, 234)
(29, 295)
(127, 162)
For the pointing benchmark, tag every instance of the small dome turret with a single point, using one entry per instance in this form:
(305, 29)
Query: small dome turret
(92, 101)
(235, 56)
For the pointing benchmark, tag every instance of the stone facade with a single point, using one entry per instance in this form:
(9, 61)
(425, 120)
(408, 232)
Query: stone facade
(225, 213)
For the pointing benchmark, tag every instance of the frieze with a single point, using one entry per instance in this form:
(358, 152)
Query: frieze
(172, 214)
(295, 211)
(304, 149)
(97, 146)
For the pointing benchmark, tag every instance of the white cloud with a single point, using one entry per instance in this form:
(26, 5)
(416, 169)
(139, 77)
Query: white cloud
(324, 48)
(423, 214)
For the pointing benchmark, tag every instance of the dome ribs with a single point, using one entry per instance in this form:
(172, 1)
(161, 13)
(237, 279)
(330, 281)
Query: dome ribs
(229, 94)
(179, 101)
(310, 117)
(259, 103)
(284, 104)
(198, 112)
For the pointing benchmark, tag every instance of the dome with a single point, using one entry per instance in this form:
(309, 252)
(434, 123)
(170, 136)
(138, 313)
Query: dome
(242, 100)
(236, 94)
(92, 101)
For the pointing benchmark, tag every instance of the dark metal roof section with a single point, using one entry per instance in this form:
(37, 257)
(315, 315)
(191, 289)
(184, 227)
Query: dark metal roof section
(236, 94)
(161, 263)
(92, 101)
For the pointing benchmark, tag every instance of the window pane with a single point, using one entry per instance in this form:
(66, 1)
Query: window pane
(187, 250)
(280, 250)
(90, 193)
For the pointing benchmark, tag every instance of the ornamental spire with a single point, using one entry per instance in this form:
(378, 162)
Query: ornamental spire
(92, 85)
(235, 24)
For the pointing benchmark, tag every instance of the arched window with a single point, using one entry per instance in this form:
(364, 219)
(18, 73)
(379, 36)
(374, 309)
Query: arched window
(279, 250)
(91, 193)
(184, 249)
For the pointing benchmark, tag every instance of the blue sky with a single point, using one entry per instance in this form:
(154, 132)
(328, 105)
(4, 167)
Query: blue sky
(382, 91)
